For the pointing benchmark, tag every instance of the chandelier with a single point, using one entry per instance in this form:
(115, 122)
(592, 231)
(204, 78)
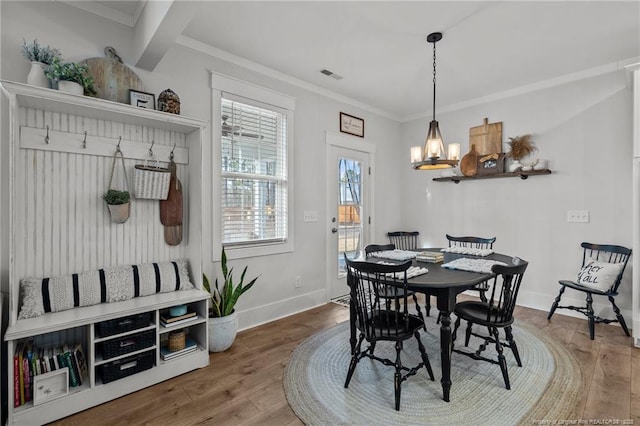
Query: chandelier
(432, 155)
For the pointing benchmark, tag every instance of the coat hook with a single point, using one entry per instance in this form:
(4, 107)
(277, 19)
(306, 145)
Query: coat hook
(118, 146)
(171, 154)
(84, 142)
(46, 138)
(151, 148)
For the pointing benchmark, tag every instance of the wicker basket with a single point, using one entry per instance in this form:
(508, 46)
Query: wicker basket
(177, 340)
(123, 324)
(151, 182)
(130, 343)
(124, 367)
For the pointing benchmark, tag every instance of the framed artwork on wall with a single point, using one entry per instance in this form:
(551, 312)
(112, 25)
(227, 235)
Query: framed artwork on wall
(142, 99)
(351, 125)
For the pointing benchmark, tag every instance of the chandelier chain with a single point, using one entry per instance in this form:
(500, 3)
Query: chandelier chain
(434, 63)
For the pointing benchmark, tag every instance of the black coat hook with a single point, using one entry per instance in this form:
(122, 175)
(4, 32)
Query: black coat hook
(118, 146)
(171, 154)
(46, 138)
(151, 148)
(84, 142)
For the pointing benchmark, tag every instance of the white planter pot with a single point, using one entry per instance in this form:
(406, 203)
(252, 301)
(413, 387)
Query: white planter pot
(36, 75)
(119, 212)
(222, 332)
(70, 87)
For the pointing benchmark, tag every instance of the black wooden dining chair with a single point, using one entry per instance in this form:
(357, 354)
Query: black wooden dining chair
(495, 313)
(477, 243)
(602, 269)
(395, 293)
(383, 322)
(408, 240)
(404, 240)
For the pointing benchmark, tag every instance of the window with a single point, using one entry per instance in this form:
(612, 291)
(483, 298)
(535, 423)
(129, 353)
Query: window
(254, 186)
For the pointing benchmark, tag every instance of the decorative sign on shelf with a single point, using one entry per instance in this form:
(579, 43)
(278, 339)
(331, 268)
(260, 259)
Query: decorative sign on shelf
(490, 164)
(351, 125)
(142, 99)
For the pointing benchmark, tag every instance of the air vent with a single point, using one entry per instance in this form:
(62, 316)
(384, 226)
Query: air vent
(331, 74)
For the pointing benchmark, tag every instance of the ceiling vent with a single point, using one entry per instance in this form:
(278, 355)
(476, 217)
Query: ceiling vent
(331, 74)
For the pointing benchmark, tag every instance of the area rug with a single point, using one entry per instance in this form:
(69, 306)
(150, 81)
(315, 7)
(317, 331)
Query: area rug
(342, 300)
(546, 387)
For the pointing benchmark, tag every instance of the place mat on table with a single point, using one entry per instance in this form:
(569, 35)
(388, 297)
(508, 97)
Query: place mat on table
(394, 254)
(473, 265)
(468, 250)
(413, 271)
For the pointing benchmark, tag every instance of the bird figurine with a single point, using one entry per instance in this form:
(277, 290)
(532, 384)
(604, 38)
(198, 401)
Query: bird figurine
(110, 52)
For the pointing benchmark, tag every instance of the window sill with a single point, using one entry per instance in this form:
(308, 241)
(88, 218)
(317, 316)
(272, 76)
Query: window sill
(241, 252)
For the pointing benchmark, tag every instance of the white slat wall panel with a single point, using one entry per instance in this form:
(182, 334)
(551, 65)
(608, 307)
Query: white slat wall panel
(63, 221)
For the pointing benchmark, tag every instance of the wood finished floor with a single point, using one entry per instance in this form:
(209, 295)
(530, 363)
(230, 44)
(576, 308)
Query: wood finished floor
(243, 386)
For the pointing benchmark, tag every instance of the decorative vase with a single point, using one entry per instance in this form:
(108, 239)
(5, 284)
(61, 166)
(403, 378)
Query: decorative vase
(119, 212)
(36, 75)
(169, 101)
(70, 87)
(222, 332)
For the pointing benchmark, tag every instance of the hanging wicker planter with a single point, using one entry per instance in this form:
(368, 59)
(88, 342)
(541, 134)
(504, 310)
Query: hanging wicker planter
(118, 202)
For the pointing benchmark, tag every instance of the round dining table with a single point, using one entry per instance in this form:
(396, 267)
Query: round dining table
(445, 284)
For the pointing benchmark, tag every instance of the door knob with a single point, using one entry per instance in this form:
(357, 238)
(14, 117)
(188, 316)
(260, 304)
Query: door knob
(334, 230)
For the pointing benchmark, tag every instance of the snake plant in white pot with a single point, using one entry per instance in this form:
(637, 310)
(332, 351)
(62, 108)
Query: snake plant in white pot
(223, 319)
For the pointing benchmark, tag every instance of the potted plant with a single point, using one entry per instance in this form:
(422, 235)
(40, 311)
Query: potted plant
(71, 77)
(118, 205)
(39, 56)
(223, 319)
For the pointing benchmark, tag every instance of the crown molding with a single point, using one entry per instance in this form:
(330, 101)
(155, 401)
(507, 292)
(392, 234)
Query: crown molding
(209, 50)
(530, 88)
(107, 12)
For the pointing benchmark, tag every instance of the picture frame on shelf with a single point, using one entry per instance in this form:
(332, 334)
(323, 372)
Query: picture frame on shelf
(142, 99)
(351, 125)
(49, 386)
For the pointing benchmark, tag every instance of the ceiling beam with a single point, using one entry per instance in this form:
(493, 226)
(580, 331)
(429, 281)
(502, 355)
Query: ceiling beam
(157, 28)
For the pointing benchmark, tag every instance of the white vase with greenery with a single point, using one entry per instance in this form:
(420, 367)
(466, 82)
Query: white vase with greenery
(223, 319)
(71, 72)
(40, 57)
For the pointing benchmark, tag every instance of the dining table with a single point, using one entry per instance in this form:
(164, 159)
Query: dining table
(445, 284)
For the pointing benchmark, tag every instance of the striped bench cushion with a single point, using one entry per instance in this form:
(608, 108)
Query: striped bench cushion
(111, 284)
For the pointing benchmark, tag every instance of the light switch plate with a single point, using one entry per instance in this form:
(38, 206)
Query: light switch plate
(578, 216)
(310, 216)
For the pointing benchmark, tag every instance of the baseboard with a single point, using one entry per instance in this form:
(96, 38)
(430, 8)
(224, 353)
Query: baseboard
(542, 302)
(280, 309)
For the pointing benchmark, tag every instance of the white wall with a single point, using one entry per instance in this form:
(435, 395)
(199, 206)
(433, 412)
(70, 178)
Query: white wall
(584, 129)
(80, 35)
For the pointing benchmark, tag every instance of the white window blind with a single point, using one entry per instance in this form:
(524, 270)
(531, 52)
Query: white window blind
(254, 173)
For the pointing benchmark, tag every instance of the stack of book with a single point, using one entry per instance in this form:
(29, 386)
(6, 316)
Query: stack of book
(430, 256)
(189, 346)
(30, 360)
(169, 321)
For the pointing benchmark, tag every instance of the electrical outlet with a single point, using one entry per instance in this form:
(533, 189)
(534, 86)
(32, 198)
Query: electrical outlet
(298, 281)
(578, 216)
(310, 216)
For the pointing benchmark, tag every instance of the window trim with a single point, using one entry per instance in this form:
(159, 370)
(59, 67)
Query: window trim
(254, 94)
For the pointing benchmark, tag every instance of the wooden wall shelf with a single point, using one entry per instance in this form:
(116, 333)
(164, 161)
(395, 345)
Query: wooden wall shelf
(520, 174)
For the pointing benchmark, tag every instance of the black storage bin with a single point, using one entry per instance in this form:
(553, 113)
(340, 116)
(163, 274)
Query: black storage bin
(122, 325)
(125, 367)
(126, 344)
